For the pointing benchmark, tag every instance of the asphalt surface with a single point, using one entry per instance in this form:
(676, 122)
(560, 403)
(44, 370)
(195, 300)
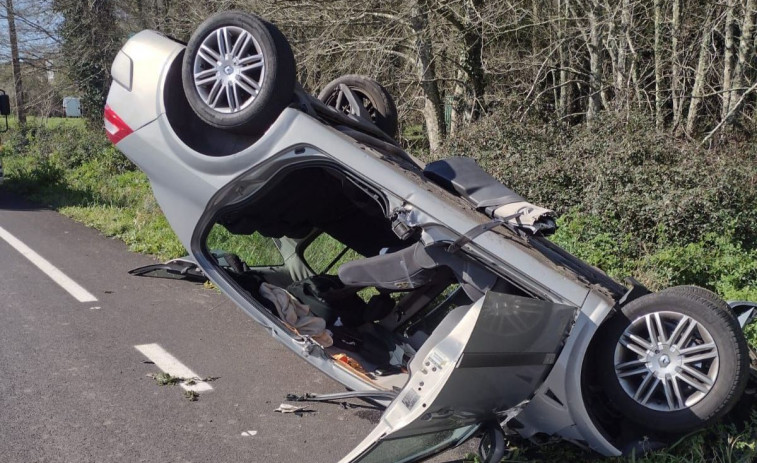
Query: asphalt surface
(73, 388)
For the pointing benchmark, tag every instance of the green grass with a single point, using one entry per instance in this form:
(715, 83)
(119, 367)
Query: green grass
(718, 444)
(256, 250)
(48, 122)
(322, 252)
(118, 204)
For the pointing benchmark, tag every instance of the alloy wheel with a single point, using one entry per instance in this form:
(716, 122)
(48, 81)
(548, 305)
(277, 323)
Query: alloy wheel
(229, 69)
(666, 361)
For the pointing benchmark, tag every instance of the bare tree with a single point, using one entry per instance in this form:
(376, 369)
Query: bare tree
(700, 75)
(15, 63)
(658, 77)
(595, 61)
(744, 55)
(676, 80)
(728, 58)
(433, 109)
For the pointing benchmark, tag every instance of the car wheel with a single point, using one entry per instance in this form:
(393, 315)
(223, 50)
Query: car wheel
(375, 98)
(674, 361)
(238, 72)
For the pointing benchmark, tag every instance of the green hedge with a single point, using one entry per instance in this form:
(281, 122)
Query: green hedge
(634, 202)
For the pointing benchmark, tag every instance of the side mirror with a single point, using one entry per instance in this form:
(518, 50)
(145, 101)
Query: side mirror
(5, 104)
(492, 447)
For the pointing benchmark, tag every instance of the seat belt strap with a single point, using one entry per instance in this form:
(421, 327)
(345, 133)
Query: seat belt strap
(480, 229)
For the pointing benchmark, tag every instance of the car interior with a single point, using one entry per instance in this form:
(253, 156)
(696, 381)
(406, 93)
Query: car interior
(380, 296)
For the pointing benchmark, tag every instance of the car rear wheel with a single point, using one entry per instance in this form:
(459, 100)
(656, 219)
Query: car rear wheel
(238, 72)
(374, 97)
(674, 361)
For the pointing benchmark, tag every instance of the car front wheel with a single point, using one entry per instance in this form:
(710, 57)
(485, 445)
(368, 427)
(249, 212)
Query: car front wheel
(674, 361)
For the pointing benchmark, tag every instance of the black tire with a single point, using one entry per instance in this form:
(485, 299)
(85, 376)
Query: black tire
(275, 79)
(697, 291)
(376, 99)
(719, 325)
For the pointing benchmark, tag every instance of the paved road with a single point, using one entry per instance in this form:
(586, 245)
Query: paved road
(73, 387)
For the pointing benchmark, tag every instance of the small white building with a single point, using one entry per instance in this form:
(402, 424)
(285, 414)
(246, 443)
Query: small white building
(72, 106)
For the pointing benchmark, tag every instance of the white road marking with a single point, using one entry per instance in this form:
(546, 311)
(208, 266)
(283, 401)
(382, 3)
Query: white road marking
(73, 288)
(173, 367)
(249, 433)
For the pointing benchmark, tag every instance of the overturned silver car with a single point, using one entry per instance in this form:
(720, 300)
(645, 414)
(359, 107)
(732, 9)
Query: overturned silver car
(429, 289)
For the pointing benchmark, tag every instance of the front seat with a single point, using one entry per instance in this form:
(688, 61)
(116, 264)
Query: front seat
(401, 270)
(414, 267)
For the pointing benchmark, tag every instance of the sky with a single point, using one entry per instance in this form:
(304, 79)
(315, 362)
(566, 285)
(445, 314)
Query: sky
(36, 26)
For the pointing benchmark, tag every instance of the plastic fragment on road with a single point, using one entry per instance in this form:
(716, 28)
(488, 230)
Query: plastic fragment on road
(288, 408)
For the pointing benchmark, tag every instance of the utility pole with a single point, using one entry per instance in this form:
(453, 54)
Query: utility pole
(15, 63)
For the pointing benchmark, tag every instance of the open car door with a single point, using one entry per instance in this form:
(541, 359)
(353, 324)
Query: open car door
(481, 364)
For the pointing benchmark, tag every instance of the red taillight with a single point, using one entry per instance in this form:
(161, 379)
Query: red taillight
(115, 127)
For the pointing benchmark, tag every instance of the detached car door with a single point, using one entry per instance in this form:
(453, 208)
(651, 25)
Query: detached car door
(480, 363)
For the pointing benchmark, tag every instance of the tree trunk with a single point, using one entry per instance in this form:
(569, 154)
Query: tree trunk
(612, 46)
(433, 108)
(595, 64)
(535, 31)
(728, 58)
(458, 102)
(565, 87)
(467, 25)
(622, 81)
(633, 72)
(658, 100)
(745, 54)
(676, 92)
(474, 69)
(699, 80)
(15, 63)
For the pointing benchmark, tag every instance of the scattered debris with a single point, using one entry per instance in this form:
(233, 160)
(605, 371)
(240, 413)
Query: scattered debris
(288, 408)
(97, 307)
(191, 395)
(165, 379)
(249, 433)
(338, 396)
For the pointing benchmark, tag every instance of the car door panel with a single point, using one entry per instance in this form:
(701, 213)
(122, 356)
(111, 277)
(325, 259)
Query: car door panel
(480, 362)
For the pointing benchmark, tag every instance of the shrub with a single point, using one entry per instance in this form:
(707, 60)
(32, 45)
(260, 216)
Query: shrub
(599, 242)
(623, 170)
(633, 202)
(717, 261)
(71, 144)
